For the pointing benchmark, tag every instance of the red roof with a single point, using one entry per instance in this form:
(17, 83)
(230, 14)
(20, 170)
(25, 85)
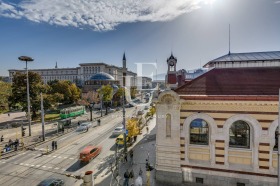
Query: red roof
(234, 82)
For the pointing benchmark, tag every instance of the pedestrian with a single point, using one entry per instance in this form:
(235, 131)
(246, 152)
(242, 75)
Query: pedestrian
(147, 128)
(131, 175)
(53, 144)
(9, 114)
(125, 157)
(135, 138)
(131, 156)
(78, 123)
(140, 172)
(126, 178)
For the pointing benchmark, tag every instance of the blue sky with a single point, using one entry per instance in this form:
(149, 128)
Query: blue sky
(72, 31)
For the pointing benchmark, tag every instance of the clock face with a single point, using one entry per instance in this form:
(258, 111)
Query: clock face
(171, 63)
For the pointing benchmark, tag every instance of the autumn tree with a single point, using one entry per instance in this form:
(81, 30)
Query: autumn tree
(89, 97)
(132, 127)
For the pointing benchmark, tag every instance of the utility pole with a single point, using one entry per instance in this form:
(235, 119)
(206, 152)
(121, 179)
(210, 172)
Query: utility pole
(101, 102)
(124, 126)
(43, 117)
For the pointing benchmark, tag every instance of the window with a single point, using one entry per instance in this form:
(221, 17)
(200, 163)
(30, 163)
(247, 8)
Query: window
(93, 150)
(239, 135)
(199, 132)
(168, 125)
(199, 180)
(275, 148)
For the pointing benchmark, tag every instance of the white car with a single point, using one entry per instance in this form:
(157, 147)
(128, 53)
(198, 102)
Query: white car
(117, 131)
(84, 126)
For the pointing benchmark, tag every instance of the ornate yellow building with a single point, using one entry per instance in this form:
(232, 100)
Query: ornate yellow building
(219, 129)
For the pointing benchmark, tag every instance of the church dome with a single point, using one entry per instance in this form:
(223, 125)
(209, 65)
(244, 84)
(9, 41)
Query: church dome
(102, 76)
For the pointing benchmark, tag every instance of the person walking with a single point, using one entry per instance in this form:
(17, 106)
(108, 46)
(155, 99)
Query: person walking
(126, 178)
(53, 144)
(147, 128)
(131, 175)
(131, 156)
(125, 158)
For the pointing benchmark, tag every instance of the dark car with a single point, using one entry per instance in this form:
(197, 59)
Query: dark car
(52, 182)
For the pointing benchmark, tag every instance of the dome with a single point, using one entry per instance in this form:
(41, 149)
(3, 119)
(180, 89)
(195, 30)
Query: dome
(102, 76)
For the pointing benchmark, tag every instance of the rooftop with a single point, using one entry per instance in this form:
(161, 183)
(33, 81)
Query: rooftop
(251, 56)
(234, 82)
(102, 76)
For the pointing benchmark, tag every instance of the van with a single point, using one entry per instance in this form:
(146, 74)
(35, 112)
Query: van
(120, 140)
(89, 153)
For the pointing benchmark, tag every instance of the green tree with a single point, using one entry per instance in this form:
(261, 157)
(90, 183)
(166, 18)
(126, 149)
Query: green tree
(106, 92)
(5, 92)
(69, 92)
(89, 97)
(19, 95)
(118, 96)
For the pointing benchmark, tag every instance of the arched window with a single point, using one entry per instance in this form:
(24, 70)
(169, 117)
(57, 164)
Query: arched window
(168, 125)
(239, 135)
(275, 148)
(199, 132)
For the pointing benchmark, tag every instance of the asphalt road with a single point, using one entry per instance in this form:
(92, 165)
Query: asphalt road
(31, 167)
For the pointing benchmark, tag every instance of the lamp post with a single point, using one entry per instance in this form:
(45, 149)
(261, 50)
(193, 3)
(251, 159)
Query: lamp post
(27, 59)
(90, 107)
(124, 126)
(101, 103)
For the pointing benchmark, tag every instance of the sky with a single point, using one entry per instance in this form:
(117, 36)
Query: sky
(71, 32)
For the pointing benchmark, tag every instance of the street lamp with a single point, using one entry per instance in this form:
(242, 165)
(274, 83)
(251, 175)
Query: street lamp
(90, 107)
(27, 59)
(124, 126)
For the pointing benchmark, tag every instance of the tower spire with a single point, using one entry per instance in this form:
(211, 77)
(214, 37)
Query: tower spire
(124, 58)
(56, 64)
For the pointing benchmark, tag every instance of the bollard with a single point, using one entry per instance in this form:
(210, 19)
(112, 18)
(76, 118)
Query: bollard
(88, 178)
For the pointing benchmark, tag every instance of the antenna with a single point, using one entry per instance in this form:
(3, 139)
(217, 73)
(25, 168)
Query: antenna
(229, 40)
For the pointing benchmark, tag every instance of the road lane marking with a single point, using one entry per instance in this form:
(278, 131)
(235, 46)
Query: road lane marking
(56, 168)
(71, 158)
(44, 166)
(27, 164)
(54, 156)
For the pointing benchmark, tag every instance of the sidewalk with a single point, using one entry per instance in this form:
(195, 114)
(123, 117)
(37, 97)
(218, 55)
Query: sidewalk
(142, 150)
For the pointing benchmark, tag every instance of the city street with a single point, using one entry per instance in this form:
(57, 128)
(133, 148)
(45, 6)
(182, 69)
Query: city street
(31, 167)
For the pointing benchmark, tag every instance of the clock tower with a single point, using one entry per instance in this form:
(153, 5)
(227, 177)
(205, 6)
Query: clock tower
(171, 77)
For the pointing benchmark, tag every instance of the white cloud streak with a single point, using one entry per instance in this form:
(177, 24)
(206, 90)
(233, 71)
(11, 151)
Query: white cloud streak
(100, 15)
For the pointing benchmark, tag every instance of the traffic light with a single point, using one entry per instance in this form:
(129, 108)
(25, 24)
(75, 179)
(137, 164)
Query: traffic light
(23, 131)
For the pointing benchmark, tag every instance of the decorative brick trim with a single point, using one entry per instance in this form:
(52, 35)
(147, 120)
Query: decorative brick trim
(219, 148)
(263, 159)
(264, 128)
(220, 141)
(263, 152)
(264, 144)
(220, 155)
(263, 167)
(230, 112)
(230, 171)
(220, 163)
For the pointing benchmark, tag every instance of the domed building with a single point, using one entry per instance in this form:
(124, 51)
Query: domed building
(99, 79)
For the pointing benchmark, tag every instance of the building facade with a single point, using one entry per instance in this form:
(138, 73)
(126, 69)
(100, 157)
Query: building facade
(81, 74)
(219, 129)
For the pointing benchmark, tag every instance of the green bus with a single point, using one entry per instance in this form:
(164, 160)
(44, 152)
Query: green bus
(72, 112)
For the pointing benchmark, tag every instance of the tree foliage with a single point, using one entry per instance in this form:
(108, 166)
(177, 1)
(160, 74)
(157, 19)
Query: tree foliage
(19, 94)
(89, 97)
(5, 92)
(67, 92)
(106, 91)
(133, 92)
(132, 127)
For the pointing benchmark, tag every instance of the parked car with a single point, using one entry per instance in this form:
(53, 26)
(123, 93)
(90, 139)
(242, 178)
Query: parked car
(110, 110)
(89, 153)
(146, 108)
(117, 131)
(52, 182)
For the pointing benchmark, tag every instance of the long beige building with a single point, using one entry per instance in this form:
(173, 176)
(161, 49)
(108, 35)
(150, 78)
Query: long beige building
(81, 74)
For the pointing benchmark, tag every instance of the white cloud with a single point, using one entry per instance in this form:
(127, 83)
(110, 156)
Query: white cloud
(99, 15)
